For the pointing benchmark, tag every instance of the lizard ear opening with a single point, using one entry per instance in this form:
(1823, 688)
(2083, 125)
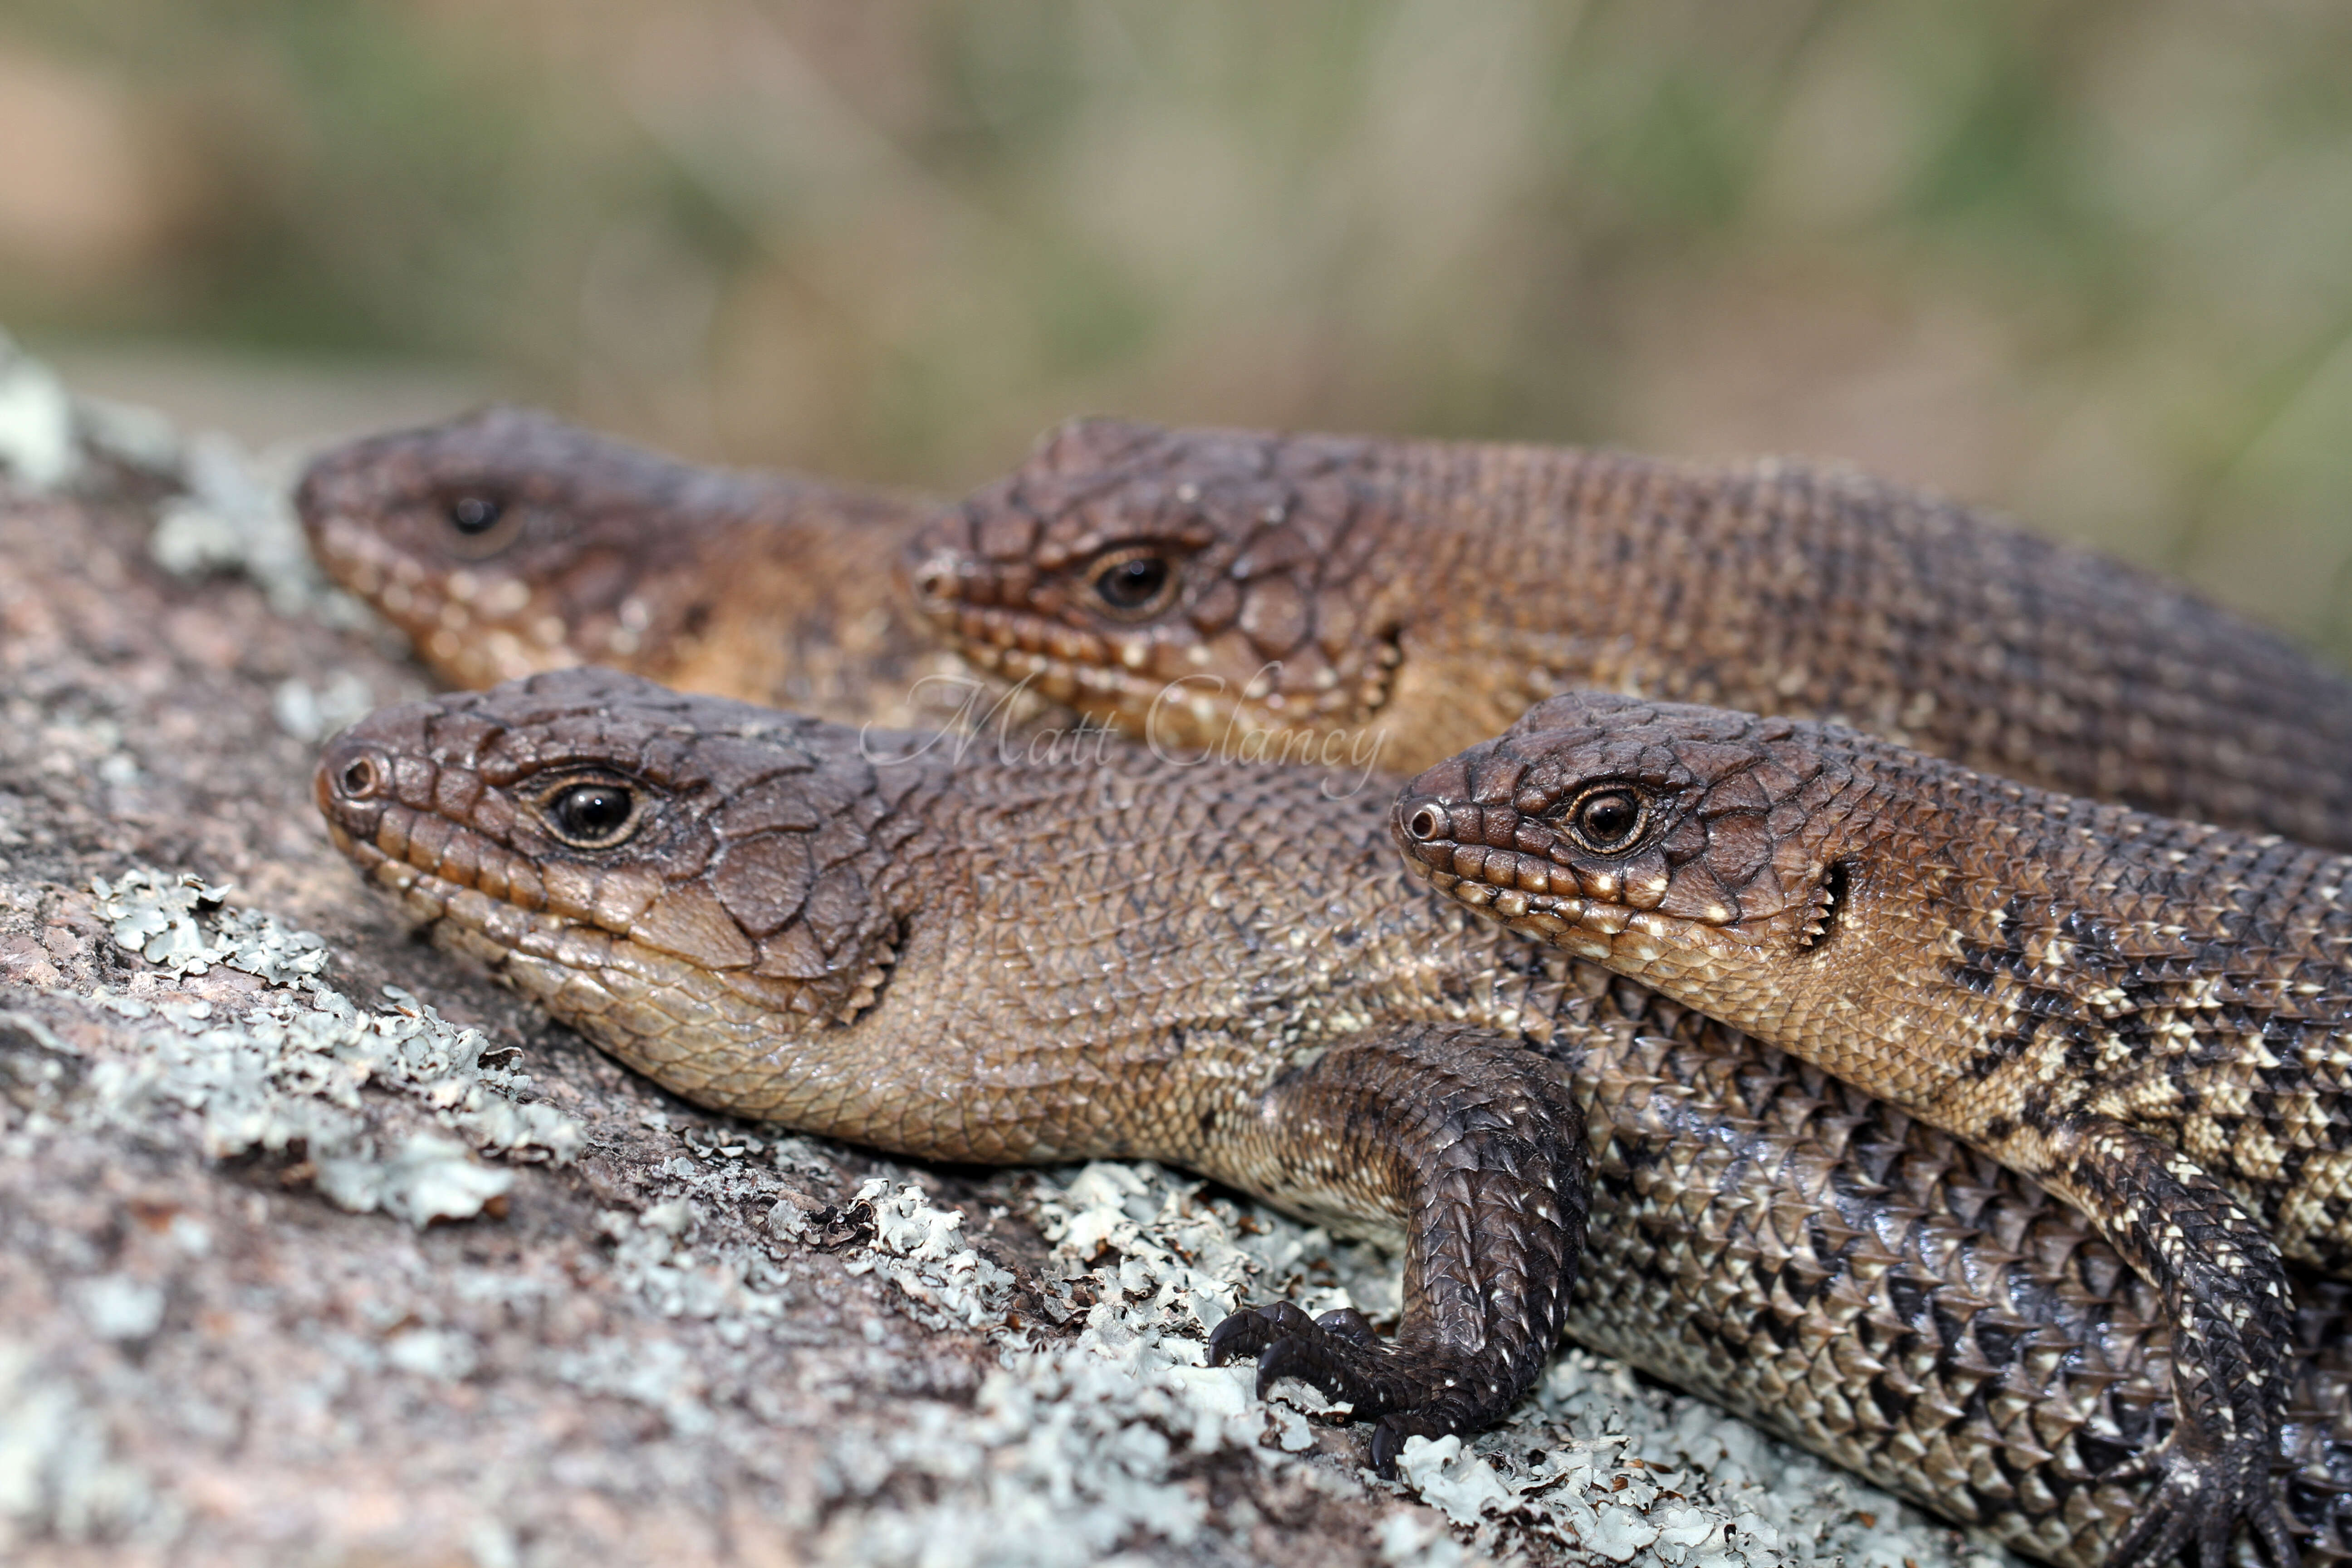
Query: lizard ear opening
(875, 978)
(1827, 904)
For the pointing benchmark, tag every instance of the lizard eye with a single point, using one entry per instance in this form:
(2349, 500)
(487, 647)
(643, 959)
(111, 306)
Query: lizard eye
(592, 816)
(1608, 819)
(480, 524)
(472, 515)
(1134, 584)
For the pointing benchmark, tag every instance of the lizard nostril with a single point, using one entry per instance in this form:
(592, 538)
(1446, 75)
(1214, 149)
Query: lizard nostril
(360, 777)
(935, 584)
(1425, 824)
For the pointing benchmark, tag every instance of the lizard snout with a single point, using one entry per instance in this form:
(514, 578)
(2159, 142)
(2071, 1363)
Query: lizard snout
(361, 775)
(1424, 829)
(353, 786)
(353, 772)
(1423, 822)
(932, 579)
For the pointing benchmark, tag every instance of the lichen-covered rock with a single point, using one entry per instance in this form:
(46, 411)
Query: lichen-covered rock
(314, 1246)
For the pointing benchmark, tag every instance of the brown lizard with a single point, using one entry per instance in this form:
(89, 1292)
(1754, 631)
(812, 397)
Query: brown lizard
(951, 955)
(2149, 1015)
(518, 468)
(1310, 596)
(508, 542)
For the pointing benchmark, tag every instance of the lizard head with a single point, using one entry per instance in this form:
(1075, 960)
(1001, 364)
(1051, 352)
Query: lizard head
(1176, 583)
(650, 866)
(506, 542)
(1657, 838)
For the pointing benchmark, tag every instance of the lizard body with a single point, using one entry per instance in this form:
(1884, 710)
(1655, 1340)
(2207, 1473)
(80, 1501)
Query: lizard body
(953, 955)
(1943, 620)
(2149, 1015)
(1277, 595)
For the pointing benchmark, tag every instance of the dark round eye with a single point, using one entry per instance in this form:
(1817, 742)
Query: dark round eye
(1134, 582)
(1607, 819)
(592, 816)
(470, 515)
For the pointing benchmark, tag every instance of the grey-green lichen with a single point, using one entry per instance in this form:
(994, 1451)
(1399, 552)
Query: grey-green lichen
(235, 513)
(1080, 1444)
(36, 423)
(59, 1476)
(1085, 1441)
(227, 510)
(284, 1067)
(51, 440)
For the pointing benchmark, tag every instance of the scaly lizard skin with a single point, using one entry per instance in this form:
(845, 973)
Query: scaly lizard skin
(400, 496)
(508, 542)
(2149, 1015)
(1076, 956)
(1280, 597)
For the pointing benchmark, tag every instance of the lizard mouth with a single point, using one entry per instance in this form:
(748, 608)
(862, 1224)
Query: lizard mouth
(1169, 678)
(1529, 893)
(490, 627)
(1569, 919)
(447, 903)
(1122, 678)
(1079, 668)
(707, 1036)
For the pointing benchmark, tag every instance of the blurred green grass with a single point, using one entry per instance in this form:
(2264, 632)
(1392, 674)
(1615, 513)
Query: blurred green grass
(2085, 261)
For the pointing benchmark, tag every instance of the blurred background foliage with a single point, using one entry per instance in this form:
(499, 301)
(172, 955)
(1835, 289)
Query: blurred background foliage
(2086, 260)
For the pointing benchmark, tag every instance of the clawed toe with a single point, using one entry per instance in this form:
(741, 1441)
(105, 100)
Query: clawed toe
(1339, 1353)
(1250, 1330)
(1350, 1325)
(1412, 1392)
(1332, 1364)
(2197, 1503)
(1389, 1438)
(1476, 1145)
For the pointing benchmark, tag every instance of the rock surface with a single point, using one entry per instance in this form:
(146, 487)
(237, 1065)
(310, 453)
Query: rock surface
(318, 1249)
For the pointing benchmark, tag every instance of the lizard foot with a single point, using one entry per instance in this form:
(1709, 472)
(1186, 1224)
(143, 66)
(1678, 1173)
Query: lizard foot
(1427, 1394)
(1471, 1141)
(2232, 1347)
(2200, 1496)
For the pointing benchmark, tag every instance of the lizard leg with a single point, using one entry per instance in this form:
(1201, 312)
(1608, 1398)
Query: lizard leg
(2232, 1340)
(1474, 1145)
